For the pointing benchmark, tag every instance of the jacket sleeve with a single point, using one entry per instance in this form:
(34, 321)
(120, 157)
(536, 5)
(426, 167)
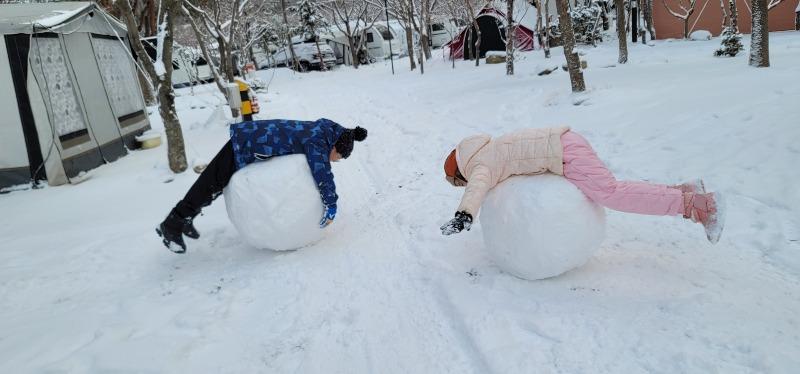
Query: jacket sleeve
(479, 183)
(320, 165)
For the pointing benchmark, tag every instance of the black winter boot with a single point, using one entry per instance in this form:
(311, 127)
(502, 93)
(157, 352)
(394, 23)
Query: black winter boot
(187, 213)
(171, 232)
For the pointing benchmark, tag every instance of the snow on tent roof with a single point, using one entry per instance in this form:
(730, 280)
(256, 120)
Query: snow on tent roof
(36, 17)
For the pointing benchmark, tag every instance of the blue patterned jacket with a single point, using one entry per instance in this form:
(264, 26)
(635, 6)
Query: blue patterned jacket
(260, 140)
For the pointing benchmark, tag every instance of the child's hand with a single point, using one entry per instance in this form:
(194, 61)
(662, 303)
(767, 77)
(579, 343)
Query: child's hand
(327, 216)
(462, 221)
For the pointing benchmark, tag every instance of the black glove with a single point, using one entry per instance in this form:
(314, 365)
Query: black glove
(463, 220)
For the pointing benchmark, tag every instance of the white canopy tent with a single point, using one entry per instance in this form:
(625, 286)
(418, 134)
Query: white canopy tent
(69, 92)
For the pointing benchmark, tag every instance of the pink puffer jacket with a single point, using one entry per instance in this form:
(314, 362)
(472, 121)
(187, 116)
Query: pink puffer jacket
(485, 162)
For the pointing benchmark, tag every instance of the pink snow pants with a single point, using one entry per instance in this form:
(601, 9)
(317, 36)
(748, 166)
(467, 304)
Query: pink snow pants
(584, 169)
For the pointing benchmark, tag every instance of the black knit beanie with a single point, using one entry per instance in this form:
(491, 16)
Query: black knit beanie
(345, 143)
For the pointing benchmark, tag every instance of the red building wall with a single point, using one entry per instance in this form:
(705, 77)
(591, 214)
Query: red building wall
(708, 16)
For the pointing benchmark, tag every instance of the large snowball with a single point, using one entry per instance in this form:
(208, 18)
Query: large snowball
(275, 204)
(540, 226)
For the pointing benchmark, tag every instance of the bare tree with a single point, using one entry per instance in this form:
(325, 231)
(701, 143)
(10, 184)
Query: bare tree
(621, 35)
(687, 9)
(215, 25)
(353, 18)
(648, 18)
(403, 11)
(288, 35)
(510, 30)
(310, 24)
(547, 29)
(426, 8)
(734, 16)
(773, 4)
(457, 13)
(163, 79)
(759, 39)
(573, 62)
(476, 35)
(218, 80)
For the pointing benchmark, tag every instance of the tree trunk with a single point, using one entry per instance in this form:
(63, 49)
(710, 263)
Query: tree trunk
(726, 21)
(759, 39)
(623, 44)
(421, 60)
(426, 48)
(477, 43)
(648, 19)
(686, 27)
(206, 55)
(573, 62)
(289, 36)
(234, 14)
(476, 34)
(538, 29)
(152, 17)
(176, 152)
(322, 66)
(425, 21)
(410, 45)
(734, 15)
(147, 88)
(641, 14)
(546, 44)
(353, 51)
(510, 29)
(148, 81)
(226, 64)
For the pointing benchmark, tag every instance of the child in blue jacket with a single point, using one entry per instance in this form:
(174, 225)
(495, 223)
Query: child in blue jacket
(322, 141)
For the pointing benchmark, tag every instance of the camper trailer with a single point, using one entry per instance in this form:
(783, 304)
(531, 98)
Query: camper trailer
(188, 65)
(69, 92)
(443, 32)
(376, 46)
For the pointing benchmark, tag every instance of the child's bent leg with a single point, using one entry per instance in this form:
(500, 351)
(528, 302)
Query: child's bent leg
(585, 170)
(210, 183)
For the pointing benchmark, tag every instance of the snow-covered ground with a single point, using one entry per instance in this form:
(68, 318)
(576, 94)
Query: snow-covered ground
(86, 286)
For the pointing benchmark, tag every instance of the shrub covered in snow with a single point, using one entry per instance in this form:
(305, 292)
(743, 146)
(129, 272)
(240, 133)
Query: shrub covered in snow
(275, 204)
(700, 35)
(731, 43)
(585, 23)
(537, 227)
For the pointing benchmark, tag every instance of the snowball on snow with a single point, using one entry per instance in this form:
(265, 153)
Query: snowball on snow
(275, 204)
(700, 35)
(540, 226)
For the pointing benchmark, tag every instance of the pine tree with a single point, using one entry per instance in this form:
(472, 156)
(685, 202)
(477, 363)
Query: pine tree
(731, 43)
(731, 38)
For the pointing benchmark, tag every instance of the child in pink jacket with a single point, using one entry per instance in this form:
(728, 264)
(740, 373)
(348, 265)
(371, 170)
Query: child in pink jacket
(480, 163)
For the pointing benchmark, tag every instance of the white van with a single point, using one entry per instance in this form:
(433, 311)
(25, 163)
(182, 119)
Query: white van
(188, 65)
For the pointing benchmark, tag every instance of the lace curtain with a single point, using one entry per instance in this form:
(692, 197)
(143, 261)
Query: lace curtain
(119, 76)
(58, 86)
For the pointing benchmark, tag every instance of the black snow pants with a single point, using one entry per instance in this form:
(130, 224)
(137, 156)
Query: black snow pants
(209, 184)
